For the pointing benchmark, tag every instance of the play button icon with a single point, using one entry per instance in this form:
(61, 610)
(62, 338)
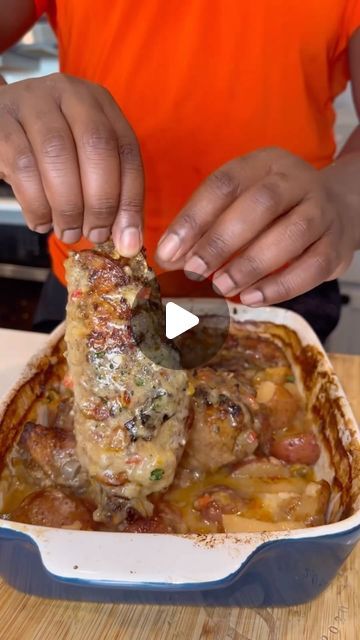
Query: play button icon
(179, 323)
(178, 320)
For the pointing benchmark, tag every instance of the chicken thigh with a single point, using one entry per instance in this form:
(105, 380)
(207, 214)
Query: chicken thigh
(131, 414)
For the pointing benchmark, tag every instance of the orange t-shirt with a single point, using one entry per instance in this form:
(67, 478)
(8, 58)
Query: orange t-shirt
(203, 81)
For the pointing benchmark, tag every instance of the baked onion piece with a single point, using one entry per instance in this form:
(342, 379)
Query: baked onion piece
(131, 415)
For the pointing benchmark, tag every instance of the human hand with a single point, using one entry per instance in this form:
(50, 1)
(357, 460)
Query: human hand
(72, 160)
(267, 225)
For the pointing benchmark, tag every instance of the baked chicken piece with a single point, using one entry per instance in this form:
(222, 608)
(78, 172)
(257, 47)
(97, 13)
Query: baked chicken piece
(53, 508)
(131, 415)
(49, 452)
(227, 420)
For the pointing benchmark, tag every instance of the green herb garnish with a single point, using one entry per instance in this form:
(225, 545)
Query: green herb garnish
(50, 396)
(290, 378)
(139, 382)
(157, 474)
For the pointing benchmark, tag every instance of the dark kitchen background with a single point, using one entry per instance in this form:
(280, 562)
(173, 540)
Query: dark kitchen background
(24, 260)
(24, 265)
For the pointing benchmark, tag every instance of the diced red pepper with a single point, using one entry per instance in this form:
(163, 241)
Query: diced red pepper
(68, 381)
(126, 398)
(135, 459)
(202, 502)
(76, 294)
(251, 437)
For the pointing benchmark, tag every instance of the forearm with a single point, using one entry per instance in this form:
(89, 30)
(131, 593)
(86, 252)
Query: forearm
(342, 180)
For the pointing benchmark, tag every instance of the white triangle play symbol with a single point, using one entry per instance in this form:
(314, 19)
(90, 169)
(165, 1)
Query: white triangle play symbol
(178, 320)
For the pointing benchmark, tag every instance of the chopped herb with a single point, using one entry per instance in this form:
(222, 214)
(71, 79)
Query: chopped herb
(139, 382)
(157, 474)
(290, 378)
(99, 354)
(50, 396)
(299, 470)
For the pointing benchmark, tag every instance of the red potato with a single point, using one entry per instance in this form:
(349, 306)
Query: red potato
(277, 437)
(216, 501)
(301, 448)
(148, 525)
(53, 508)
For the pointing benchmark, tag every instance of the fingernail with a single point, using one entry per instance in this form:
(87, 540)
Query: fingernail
(195, 267)
(43, 228)
(71, 235)
(252, 298)
(224, 283)
(130, 242)
(168, 246)
(99, 235)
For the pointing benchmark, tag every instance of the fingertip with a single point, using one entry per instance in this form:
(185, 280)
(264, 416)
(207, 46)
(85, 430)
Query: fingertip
(42, 228)
(195, 268)
(98, 235)
(71, 236)
(224, 284)
(168, 248)
(128, 241)
(252, 298)
(68, 236)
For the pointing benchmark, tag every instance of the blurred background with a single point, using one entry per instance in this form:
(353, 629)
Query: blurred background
(24, 261)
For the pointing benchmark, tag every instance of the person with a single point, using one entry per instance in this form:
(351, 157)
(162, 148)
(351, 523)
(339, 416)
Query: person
(231, 105)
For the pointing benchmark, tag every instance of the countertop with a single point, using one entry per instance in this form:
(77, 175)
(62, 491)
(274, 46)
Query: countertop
(332, 616)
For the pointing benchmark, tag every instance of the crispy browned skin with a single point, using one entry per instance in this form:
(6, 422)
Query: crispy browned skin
(53, 508)
(54, 451)
(130, 414)
(225, 417)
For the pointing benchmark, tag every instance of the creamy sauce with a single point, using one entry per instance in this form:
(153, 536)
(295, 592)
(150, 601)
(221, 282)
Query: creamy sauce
(260, 479)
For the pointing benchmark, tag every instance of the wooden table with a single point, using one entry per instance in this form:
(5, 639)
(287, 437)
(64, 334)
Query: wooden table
(333, 616)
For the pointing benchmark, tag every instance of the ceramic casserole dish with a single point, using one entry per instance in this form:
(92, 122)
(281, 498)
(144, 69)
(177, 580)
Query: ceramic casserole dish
(240, 569)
